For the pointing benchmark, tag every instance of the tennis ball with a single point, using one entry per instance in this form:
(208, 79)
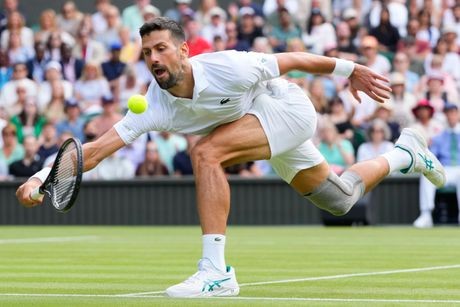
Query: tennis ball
(137, 104)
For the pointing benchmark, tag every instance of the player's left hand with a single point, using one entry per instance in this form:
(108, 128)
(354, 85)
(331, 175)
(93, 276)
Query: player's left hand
(365, 80)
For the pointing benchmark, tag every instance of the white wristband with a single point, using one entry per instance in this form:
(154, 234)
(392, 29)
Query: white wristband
(343, 68)
(43, 174)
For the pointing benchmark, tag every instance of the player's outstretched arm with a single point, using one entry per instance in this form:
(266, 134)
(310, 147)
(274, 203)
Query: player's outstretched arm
(93, 153)
(361, 78)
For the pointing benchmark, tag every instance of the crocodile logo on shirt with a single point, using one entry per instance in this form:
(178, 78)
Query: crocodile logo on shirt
(224, 101)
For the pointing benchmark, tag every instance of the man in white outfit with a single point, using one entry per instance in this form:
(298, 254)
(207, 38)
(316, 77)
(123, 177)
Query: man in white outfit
(247, 113)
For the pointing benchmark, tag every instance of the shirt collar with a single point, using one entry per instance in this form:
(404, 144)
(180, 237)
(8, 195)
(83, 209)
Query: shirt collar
(201, 82)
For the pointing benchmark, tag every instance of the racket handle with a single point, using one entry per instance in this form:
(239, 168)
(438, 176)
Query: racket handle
(36, 194)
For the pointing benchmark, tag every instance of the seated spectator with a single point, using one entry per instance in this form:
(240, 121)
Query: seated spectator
(152, 165)
(132, 16)
(338, 152)
(378, 136)
(216, 25)
(61, 139)
(424, 121)
(135, 152)
(285, 31)
(37, 65)
(72, 123)
(450, 61)
(54, 46)
(54, 110)
(114, 24)
(374, 60)
(6, 71)
(90, 131)
(12, 150)
(112, 168)
(29, 121)
(48, 25)
(446, 147)
(385, 112)
(70, 18)
(427, 32)
(114, 67)
(130, 48)
(341, 119)
(385, 32)
(88, 49)
(8, 94)
(182, 162)
(17, 52)
(248, 29)
(347, 50)
(262, 45)
(53, 75)
(168, 145)
(90, 89)
(31, 163)
(176, 13)
(437, 94)
(320, 33)
(402, 101)
(129, 84)
(16, 23)
(48, 141)
(196, 43)
(233, 42)
(450, 35)
(109, 116)
(97, 18)
(72, 67)
(18, 105)
(401, 65)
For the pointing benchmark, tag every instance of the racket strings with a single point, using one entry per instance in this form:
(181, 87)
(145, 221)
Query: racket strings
(64, 178)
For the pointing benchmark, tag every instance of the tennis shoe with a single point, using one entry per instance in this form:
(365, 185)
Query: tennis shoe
(423, 161)
(424, 220)
(208, 281)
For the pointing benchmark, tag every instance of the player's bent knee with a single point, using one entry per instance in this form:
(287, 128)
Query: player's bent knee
(203, 153)
(337, 195)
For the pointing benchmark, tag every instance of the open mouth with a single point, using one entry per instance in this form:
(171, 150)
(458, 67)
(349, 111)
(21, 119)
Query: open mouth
(159, 72)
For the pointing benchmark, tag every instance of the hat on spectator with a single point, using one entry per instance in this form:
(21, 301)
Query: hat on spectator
(107, 99)
(449, 106)
(435, 75)
(217, 11)
(397, 78)
(247, 11)
(115, 46)
(188, 12)
(53, 65)
(150, 9)
(71, 102)
(349, 13)
(449, 28)
(183, 1)
(423, 103)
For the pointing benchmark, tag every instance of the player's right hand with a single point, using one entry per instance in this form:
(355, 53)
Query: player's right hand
(25, 190)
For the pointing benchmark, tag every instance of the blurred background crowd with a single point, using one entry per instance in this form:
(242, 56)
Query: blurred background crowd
(71, 74)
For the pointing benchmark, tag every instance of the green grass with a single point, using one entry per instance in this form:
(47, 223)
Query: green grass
(118, 260)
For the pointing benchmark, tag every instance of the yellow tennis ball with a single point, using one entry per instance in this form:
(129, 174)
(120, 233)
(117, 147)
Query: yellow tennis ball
(137, 104)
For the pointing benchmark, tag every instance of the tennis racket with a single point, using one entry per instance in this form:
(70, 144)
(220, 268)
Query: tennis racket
(63, 182)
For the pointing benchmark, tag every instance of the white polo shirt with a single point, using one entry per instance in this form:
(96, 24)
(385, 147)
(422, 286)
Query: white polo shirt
(226, 84)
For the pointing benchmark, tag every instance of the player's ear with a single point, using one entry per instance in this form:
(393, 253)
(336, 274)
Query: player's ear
(184, 50)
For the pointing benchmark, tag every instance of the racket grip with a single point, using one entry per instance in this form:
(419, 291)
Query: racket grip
(36, 194)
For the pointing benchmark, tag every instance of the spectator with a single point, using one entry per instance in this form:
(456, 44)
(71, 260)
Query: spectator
(384, 112)
(341, 118)
(16, 23)
(446, 147)
(18, 53)
(11, 150)
(114, 67)
(450, 61)
(90, 89)
(148, 13)
(248, 29)
(112, 168)
(114, 24)
(6, 71)
(53, 78)
(338, 152)
(54, 110)
(402, 100)
(29, 121)
(109, 117)
(450, 36)
(351, 18)
(129, 84)
(378, 136)
(182, 162)
(132, 16)
(130, 49)
(427, 32)
(169, 145)
(31, 163)
(208, 9)
(70, 18)
(424, 121)
(285, 30)
(401, 65)
(72, 123)
(320, 33)
(345, 46)
(179, 9)
(72, 67)
(8, 95)
(233, 42)
(48, 25)
(397, 13)
(262, 45)
(88, 49)
(48, 141)
(374, 60)
(196, 43)
(317, 97)
(18, 106)
(216, 25)
(135, 152)
(437, 94)
(152, 165)
(37, 65)
(385, 32)
(9, 6)
(97, 18)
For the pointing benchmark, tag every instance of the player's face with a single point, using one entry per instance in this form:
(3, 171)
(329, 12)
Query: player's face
(164, 58)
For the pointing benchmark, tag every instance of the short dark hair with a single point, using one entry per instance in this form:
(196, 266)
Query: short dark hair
(163, 23)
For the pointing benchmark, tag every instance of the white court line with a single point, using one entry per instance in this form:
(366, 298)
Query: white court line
(43, 240)
(444, 267)
(243, 298)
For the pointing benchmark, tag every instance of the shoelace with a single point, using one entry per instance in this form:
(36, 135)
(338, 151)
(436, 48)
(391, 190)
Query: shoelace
(195, 278)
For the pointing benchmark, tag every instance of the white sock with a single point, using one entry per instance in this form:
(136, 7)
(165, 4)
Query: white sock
(214, 250)
(398, 159)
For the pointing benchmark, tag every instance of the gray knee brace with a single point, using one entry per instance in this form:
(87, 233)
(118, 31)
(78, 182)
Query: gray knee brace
(338, 194)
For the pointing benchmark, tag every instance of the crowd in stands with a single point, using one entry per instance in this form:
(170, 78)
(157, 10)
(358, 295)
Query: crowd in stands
(71, 75)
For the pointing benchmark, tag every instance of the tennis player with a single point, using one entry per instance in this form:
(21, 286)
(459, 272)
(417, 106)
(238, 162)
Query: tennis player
(246, 112)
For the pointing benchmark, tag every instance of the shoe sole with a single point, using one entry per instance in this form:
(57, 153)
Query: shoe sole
(438, 168)
(220, 293)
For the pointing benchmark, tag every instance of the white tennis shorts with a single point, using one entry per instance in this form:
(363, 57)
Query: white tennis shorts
(289, 120)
